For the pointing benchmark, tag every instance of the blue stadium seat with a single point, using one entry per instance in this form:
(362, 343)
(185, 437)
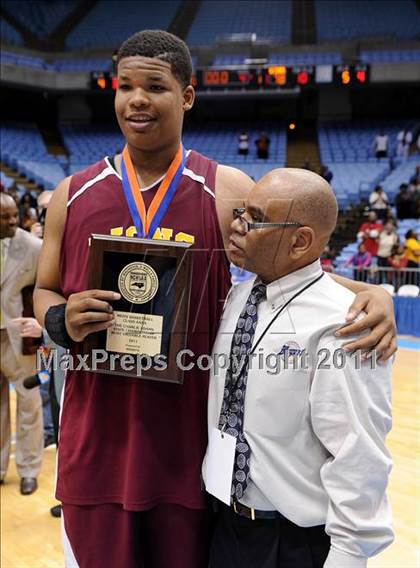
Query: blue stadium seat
(23, 149)
(267, 19)
(9, 35)
(110, 22)
(40, 16)
(314, 58)
(351, 19)
(390, 56)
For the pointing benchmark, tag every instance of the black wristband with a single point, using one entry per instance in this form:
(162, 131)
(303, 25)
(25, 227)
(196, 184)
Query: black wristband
(55, 324)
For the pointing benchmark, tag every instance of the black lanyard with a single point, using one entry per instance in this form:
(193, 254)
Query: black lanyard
(232, 384)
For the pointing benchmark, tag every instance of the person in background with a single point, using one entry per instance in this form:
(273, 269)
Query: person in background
(404, 203)
(27, 201)
(263, 145)
(369, 233)
(326, 173)
(412, 253)
(381, 145)
(399, 261)
(387, 240)
(243, 144)
(408, 139)
(379, 202)
(297, 461)
(28, 218)
(415, 178)
(400, 143)
(327, 259)
(360, 261)
(19, 259)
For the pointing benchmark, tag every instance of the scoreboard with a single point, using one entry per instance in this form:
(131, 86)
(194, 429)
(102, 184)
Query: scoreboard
(269, 78)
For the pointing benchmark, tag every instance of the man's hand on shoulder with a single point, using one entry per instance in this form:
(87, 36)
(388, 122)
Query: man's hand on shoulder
(232, 188)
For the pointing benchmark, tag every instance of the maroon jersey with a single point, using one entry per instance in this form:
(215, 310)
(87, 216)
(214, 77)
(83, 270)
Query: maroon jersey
(133, 441)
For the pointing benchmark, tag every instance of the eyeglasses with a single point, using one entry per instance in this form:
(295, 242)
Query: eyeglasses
(238, 214)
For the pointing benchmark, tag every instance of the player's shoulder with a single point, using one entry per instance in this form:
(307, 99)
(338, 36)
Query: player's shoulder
(232, 183)
(335, 296)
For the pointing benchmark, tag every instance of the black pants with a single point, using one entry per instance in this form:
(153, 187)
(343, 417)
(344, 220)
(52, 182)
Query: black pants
(242, 543)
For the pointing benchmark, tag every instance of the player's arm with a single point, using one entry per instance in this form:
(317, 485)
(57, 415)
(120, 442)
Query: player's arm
(232, 188)
(84, 312)
(377, 303)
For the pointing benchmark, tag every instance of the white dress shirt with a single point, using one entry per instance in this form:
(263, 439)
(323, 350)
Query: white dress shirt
(317, 436)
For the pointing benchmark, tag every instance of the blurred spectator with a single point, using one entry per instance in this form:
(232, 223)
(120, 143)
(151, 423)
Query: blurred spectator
(27, 200)
(400, 143)
(327, 258)
(404, 202)
(399, 261)
(387, 240)
(19, 257)
(369, 233)
(326, 173)
(361, 261)
(381, 145)
(243, 144)
(412, 253)
(263, 144)
(379, 202)
(415, 178)
(29, 217)
(408, 139)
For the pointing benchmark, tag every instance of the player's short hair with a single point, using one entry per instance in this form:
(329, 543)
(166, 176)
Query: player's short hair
(162, 45)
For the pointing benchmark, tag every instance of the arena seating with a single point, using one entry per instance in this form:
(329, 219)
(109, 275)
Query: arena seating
(23, 149)
(21, 59)
(9, 34)
(314, 58)
(41, 17)
(219, 141)
(110, 22)
(401, 174)
(222, 60)
(87, 144)
(347, 148)
(354, 141)
(390, 56)
(266, 19)
(392, 19)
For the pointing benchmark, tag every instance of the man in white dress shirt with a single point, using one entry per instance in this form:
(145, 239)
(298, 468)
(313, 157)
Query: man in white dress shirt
(297, 426)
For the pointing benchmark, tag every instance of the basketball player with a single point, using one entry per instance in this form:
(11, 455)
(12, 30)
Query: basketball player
(131, 450)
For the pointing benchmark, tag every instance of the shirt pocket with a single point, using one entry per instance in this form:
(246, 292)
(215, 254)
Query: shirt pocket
(275, 404)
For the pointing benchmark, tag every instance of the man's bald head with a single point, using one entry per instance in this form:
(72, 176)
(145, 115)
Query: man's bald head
(6, 199)
(308, 199)
(305, 207)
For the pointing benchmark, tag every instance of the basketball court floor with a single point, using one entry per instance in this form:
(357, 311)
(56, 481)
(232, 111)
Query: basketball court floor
(30, 536)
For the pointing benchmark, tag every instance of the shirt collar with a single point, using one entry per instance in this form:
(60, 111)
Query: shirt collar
(282, 289)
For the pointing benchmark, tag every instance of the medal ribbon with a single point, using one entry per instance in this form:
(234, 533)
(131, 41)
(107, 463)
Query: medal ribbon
(147, 222)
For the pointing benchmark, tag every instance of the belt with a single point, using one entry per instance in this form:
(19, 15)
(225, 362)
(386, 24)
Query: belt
(254, 514)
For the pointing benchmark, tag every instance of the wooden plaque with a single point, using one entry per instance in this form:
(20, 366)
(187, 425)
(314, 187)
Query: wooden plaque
(151, 318)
